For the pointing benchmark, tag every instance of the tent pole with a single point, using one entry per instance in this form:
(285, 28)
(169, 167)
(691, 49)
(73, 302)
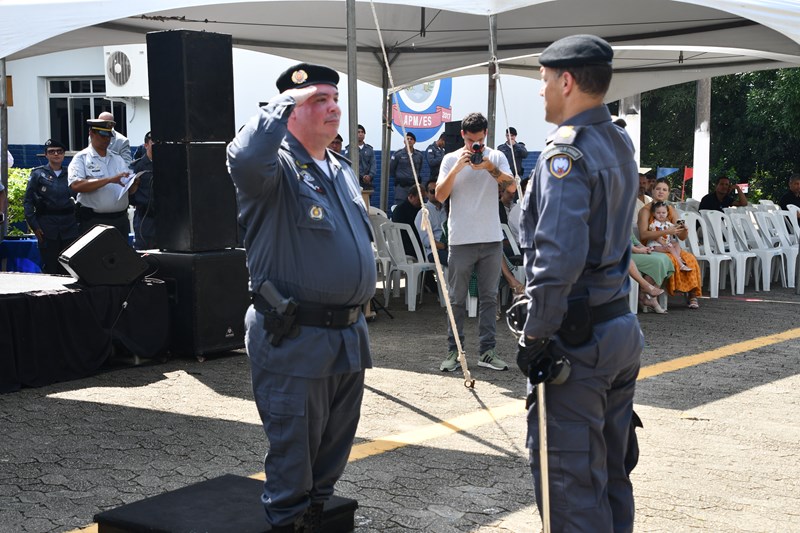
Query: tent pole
(3, 143)
(702, 139)
(630, 110)
(352, 85)
(386, 141)
(491, 111)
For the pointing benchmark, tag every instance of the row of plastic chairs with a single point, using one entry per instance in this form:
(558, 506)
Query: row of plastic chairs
(392, 261)
(742, 243)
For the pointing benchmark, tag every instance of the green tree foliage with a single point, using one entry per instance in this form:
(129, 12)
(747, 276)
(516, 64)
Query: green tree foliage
(17, 183)
(754, 132)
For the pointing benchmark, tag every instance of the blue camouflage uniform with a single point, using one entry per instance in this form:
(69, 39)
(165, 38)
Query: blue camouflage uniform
(309, 235)
(434, 156)
(367, 166)
(50, 207)
(400, 168)
(144, 218)
(575, 235)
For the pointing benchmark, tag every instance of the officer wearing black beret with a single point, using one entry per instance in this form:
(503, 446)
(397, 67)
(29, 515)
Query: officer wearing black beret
(50, 207)
(575, 235)
(308, 240)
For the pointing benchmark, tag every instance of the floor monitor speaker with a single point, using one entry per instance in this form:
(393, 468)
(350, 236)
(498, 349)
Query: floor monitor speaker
(209, 296)
(102, 256)
(196, 198)
(191, 86)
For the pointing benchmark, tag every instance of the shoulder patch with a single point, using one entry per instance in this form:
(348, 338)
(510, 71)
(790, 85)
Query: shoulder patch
(560, 165)
(561, 149)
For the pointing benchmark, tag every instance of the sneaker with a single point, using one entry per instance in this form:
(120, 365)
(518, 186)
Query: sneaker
(489, 359)
(451, 363)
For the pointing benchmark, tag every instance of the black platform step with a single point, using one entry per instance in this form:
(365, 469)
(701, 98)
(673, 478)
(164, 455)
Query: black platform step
(227, 504)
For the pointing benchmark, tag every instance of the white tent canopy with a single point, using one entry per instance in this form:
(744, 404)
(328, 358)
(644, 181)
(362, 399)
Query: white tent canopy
(657, 42)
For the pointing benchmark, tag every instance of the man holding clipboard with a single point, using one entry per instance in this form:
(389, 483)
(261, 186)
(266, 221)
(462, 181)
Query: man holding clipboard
(101, 179)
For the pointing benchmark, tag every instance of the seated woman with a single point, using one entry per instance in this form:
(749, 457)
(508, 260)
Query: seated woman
(653, 269)
(684, 281)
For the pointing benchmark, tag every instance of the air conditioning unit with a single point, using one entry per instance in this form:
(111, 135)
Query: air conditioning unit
(126, 71)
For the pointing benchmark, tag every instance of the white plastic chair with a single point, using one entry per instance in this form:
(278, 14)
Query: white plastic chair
(692, 205)
(413, 268)
(718, 263)
(381, 250)
(768, 205)
(792, 225)
(772, 223)
(633, 296)
(767, 255)
(723, 241)
(511, 240)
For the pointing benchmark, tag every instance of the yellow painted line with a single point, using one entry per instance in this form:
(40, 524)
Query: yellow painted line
(478, 418)
(433, 431)
(712, 355)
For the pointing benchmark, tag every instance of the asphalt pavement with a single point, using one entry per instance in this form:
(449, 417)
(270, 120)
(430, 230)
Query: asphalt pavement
(720, 450)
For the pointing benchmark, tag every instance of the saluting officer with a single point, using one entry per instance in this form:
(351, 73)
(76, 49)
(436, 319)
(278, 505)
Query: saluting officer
(575, 232)
(307, 238)
(50, 207)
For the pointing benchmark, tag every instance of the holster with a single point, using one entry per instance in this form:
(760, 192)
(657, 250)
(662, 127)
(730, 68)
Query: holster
(577, 326)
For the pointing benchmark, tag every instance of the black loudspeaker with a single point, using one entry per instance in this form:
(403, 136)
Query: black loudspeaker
(452, 136)
(196, 198)
(191, 86)
(208, 299)
(101, 256)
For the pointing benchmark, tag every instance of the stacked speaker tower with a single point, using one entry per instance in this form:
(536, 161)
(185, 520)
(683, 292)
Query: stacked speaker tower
(192, 120)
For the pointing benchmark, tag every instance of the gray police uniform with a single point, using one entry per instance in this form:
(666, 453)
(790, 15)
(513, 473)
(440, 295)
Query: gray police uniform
(309, 235)
(575, 232)
(49, 206)
(366, 163)
(434, 155)
(400, 168)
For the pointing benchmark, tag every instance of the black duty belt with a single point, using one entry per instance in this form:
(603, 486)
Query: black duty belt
(94, 214)
(607, 311)
(316, 315)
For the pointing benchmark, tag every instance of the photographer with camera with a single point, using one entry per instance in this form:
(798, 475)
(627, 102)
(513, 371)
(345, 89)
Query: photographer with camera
(470, 177)
(580, 338)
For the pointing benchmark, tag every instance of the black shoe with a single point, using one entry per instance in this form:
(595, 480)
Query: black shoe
(313, 518)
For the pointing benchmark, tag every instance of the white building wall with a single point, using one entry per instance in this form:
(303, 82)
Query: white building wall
(254, 82)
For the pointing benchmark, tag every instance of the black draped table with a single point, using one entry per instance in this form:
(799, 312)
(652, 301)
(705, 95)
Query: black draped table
(52, 329)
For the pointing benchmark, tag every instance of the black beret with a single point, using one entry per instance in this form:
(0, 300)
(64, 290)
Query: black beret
(52, 143)
(305, 74)
(512, 130)
(411, 134)
(577, 50)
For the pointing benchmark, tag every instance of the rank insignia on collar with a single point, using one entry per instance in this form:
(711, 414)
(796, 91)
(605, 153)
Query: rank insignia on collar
(316, 212)
(560, 166)
(299, 76)
(565, 132)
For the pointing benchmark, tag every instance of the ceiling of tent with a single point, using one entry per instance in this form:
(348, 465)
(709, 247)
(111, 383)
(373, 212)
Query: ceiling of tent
(657, 42)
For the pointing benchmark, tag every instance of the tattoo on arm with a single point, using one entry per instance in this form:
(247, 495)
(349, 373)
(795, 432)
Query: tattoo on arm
(495, 172)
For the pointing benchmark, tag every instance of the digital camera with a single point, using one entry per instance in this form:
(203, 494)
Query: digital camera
(477, 154)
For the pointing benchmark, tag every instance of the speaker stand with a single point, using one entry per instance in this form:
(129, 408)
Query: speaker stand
(377, 306)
